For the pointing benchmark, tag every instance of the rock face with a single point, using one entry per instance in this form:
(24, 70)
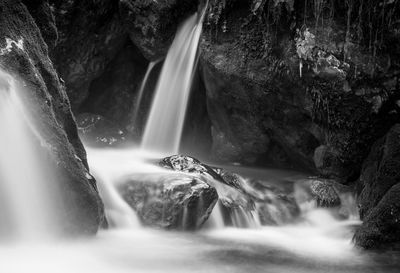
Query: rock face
(296, 92)
(379, 186)
(152, 24)
(91, 34)
(171, 201)
(24, 55)
(113, 94)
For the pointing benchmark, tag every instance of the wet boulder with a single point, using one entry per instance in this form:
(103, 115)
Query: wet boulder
(95, 130)
(24, 55)
(320, 191)
(381, 227)
(151, 25)
(170, 201)
(242, 202)
(379, 193)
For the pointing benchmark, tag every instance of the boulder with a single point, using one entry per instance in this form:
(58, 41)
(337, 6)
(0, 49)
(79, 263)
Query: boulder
(170, 201)
(378, 187)
(151, 25)
(321, 191)
(243, 202)
(24, 55)
(381, 227)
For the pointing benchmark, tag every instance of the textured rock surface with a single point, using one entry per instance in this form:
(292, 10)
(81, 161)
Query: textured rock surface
(242, 202)
(80, 209)
(152, 24)
(278, 88)
(44, 19)
(113, 94)
(379, 193)
(91, 34)
(322, 191)
(171, 201)
(381, 227)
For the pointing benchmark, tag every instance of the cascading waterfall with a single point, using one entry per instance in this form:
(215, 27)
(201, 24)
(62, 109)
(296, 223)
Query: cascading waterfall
(165, 122)
(25, 201)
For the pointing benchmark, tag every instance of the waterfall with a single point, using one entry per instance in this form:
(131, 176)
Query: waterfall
(141, 90)
(25, 208)
(165, 122)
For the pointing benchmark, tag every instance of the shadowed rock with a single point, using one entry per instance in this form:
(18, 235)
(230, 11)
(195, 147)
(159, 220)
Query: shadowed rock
(79, 206)
(379, 193)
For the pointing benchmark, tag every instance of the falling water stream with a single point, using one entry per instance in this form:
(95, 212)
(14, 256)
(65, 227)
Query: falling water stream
(141, 90)
(165, 122)
(24, 196)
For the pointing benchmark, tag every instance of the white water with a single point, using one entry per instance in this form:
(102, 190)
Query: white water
(167, 115)
(141, 90)
(25, 206)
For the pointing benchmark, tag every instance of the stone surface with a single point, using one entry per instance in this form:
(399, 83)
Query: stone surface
(152, 24)
(379, 193)
(114, 93)
(79, 207)
(241, 201)
(323, 191)
(44, 19)
(90, 35)
(381, 227)
(170, 201)
(294, 92)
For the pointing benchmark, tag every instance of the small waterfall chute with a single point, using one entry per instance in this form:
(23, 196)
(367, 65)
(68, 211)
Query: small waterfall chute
(165, 122)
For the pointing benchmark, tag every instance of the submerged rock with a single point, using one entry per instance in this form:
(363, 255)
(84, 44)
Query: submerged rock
(24, 55)
(171, 201)
(379, 197)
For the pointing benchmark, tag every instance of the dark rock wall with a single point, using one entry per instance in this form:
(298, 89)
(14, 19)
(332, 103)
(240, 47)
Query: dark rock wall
(378, 187)
(290, 84)
(79, 206)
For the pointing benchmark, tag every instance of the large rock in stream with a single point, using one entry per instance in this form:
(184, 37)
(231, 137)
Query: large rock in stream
(242, 202)
(24, 55)
(170, 201)
(379, 188)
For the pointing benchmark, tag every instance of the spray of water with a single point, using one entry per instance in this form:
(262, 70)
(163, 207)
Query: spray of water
(165, 123)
